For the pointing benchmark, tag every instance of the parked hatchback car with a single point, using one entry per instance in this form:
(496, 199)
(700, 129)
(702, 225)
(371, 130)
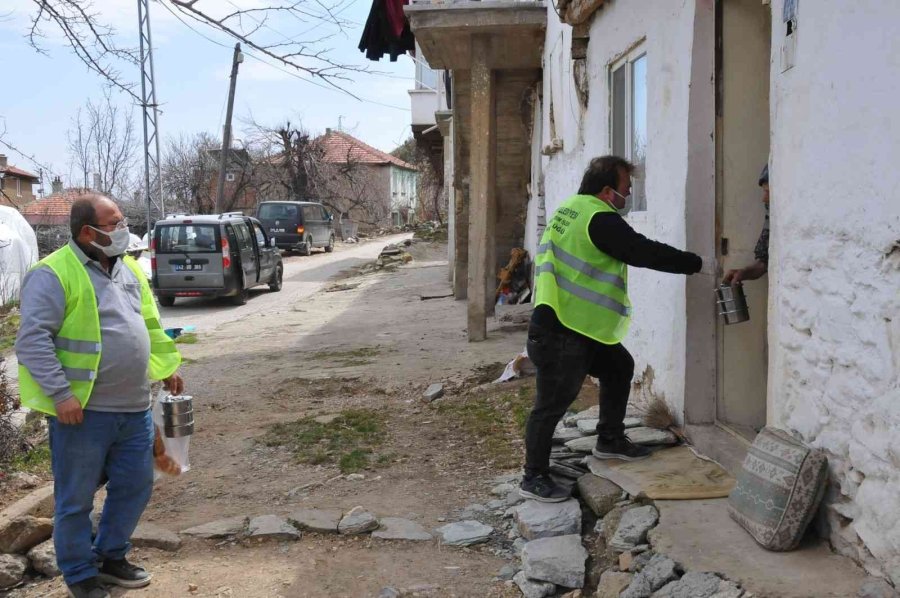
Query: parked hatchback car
(297, 225)
(213, 256)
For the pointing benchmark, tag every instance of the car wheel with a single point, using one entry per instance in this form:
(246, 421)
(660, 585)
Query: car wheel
(330, 247)
(166, 301)
(241, 298)
(277, 279)
(307, 248)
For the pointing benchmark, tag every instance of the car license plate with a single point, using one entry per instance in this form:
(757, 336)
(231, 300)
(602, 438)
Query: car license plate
(188, 267)
(276, 230)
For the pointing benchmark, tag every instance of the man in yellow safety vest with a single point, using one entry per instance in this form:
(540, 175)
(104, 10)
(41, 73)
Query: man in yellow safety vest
(582, 314)
(89, 343)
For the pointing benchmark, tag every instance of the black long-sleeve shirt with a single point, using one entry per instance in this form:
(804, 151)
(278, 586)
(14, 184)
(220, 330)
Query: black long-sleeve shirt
(613, 236)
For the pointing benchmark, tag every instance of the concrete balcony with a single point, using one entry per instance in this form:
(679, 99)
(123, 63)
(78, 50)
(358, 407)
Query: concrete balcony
(424, 103)
(444, 30)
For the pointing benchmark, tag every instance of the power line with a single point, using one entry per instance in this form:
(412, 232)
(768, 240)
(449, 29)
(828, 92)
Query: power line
(31, 159)
(283, 70)
(292, 40)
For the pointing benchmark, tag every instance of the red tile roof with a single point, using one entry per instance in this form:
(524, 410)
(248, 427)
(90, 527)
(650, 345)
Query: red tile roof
(52, 210)
(339, 147)
(18, 172)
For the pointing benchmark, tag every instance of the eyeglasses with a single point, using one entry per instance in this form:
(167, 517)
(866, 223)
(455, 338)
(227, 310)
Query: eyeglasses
(120, 225)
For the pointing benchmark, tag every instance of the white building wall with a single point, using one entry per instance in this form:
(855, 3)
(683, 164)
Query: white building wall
(835, 266)
(664, 29)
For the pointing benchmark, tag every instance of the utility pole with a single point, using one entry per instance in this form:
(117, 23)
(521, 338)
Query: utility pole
(226, 133)
(150, 108)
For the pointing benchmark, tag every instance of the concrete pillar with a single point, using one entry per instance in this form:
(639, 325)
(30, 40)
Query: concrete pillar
(700, 338)
(461, 128)
(445, 125)
(482, 208)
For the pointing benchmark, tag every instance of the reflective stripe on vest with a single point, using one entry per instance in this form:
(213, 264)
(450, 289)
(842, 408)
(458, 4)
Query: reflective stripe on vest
(75, 346)
(77, 343)
(581, 265)
(586, 294)
(587, 288)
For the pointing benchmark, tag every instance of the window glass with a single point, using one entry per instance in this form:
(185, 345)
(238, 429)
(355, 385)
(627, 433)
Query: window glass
(311, 213)
(628, 121)
(426, 77)
(277, 210)
(639, 130)
(187, 239)
(243, 235)
(260, 235)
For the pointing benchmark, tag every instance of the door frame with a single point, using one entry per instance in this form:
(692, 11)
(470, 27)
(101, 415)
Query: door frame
(703, 234)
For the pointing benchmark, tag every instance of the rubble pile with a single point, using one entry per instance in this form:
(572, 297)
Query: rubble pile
(602, 537)
(431, 231)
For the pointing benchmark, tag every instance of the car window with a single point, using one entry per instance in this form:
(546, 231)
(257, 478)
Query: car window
(278, 210)
(186, 238)
(243, 235)
(260, 235)
(324, 213)
(311, 213)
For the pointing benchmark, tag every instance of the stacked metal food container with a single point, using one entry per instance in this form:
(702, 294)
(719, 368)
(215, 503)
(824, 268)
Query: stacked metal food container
(178, 416)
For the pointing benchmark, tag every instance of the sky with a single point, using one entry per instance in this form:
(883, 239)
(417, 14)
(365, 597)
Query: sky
(40, 94)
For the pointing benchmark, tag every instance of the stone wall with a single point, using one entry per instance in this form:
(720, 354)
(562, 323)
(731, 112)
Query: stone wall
(835, 268)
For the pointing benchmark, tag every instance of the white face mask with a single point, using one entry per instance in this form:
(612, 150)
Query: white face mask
(119, 240)
(628, 203)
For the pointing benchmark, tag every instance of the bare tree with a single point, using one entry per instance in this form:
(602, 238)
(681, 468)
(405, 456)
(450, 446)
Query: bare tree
(79, 148)
(304, 27)
(190, 167)
(294, 164)
(290, 162)
(102, 141)
(188, 171)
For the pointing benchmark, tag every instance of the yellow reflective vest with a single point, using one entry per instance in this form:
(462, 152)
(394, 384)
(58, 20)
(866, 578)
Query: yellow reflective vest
(78, 345)
(587, 288)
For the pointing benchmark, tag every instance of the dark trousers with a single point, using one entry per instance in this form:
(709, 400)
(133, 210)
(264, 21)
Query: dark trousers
(563, 359)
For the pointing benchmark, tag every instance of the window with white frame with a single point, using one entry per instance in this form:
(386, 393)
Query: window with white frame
(628, 118)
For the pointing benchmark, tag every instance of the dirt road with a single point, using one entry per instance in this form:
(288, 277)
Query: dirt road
(303, 276)
(357, 358)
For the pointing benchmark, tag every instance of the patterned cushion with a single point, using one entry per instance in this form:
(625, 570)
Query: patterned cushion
(778, 490)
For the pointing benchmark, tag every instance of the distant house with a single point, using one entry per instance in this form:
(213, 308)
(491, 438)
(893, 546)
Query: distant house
(49, 216)
(384, 180)
(54, 209)
(16, 185)
(240, 190)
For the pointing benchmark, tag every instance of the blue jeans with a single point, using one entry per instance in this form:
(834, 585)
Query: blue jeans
(119, 445)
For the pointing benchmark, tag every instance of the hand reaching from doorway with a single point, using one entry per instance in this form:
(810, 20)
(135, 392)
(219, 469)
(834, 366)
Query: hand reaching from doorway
(751, 272)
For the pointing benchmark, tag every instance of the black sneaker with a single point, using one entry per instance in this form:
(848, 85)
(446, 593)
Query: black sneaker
(124, 574)
(542, 488)
(620, 448)
(89, 588)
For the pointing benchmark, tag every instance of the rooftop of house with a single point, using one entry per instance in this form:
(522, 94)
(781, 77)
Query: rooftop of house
(10, 170)
(341, 147)
(53, 209)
